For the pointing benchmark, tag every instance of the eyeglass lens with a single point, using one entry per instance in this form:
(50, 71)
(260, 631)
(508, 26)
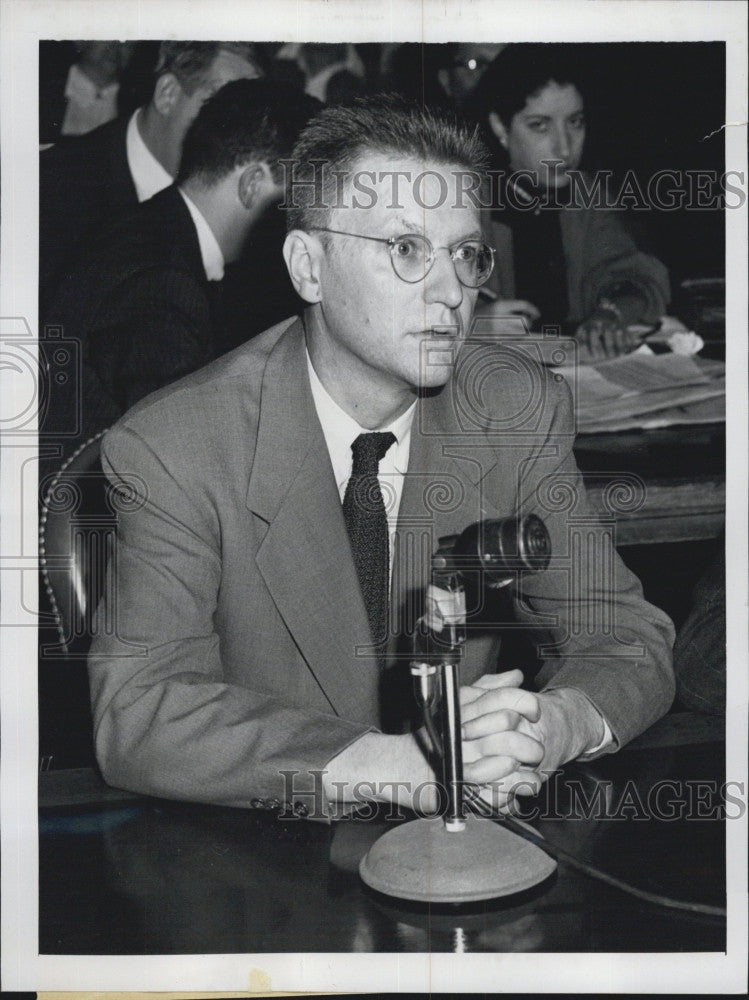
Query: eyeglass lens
(412, 257)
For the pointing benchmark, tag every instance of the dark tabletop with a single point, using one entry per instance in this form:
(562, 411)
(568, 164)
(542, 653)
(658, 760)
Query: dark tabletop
(124, 875)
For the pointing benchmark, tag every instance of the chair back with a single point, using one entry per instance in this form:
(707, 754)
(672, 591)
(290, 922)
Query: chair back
(76, 538)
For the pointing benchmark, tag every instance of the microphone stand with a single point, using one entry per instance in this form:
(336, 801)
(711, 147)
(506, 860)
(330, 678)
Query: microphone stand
(460, 857)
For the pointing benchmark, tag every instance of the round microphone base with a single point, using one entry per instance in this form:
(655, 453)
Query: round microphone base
(423, 861)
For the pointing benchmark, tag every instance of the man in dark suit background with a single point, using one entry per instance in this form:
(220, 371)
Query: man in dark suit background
(86, 182)
(142, 300)
(251, 636)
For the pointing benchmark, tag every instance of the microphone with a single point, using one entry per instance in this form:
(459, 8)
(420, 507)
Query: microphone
(459, 858)
(499, 549)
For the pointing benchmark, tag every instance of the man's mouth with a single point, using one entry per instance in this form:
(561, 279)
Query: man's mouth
(451, 331)
(440, 346)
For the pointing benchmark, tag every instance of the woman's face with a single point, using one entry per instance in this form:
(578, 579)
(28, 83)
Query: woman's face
(547, 136)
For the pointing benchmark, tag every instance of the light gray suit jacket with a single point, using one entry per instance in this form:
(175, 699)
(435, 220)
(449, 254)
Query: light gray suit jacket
(242, 647)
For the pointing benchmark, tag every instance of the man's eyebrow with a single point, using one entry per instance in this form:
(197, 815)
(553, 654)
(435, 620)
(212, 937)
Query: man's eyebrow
(475, 234)
(411, 227)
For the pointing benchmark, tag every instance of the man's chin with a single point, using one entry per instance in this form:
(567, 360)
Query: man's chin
(436, 377)
(438, 359)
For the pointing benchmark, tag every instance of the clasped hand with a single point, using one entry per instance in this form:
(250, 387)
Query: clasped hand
(502, 748)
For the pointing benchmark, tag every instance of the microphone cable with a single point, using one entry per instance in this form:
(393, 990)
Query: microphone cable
(523, 829)
(482, 808)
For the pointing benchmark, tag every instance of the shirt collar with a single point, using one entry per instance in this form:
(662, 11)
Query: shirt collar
(338, 427)
(149, 176)
(210, 251)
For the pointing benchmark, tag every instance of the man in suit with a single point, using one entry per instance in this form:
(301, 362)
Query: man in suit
(252, 660)
(86, 182)
(142, 300)
(79, 86)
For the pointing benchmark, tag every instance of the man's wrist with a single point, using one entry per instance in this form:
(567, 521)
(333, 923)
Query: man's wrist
(572, 723)
(378, 767)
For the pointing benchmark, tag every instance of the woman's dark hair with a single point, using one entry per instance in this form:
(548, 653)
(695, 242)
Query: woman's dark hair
(521, 71)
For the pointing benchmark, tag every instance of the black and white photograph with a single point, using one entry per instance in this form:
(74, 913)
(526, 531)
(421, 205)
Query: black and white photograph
(374, 496)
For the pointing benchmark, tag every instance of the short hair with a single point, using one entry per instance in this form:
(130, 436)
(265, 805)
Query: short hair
(191, 62)
(245, 120)
(521, 71)
(381, 123)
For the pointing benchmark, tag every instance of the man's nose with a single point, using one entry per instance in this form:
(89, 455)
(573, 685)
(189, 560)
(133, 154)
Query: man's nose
(442, 283)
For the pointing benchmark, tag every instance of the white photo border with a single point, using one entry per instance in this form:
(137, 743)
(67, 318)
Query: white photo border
(22, 25)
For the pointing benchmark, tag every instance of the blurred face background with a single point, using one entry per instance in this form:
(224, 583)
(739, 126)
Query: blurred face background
(227, 66)
(467, 63)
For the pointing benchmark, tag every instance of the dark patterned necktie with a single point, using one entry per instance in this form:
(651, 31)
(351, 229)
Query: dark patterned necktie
(366, 521)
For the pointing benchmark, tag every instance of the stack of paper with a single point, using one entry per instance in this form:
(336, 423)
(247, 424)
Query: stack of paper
(647, 390)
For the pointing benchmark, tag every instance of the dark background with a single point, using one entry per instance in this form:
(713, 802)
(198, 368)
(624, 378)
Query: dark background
(649, 105)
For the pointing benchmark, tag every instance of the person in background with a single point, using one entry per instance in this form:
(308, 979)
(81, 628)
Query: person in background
(76, 97)
(142, 299)
(440, 75)
(559, 261)
(700, 648)
(333, 73)
(85, 183)
(461, 67)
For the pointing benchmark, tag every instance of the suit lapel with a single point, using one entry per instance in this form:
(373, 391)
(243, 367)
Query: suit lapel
(442, 495)
(305, 558)
(187, 243)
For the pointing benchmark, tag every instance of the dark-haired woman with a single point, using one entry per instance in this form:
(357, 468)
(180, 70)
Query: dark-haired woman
(567, 260)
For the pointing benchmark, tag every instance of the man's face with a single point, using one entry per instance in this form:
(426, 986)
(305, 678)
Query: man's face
(227, 66)
(550, 127)
(397, 334)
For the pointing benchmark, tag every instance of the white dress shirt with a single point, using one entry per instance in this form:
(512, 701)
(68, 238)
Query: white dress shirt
(149, 177)
(210, 251)
(341, 431)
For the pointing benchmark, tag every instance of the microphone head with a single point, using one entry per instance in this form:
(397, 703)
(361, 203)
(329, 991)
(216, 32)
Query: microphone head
(501, 548)
(535, 543)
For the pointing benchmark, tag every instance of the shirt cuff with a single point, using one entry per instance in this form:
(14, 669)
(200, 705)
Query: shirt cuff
(603, 745)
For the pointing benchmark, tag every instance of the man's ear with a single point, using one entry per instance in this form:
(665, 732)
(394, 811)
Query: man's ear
(256, 185)
(498, 128)
(166, 93)
(303, 254)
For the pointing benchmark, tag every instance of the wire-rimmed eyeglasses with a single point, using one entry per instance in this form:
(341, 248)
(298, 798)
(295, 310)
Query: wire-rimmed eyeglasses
(412, 256)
